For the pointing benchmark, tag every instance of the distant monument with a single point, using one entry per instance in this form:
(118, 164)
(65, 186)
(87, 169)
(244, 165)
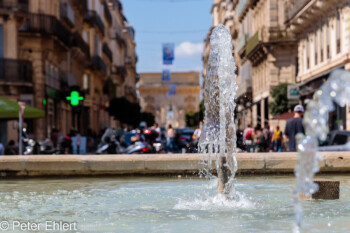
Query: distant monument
(170, 107)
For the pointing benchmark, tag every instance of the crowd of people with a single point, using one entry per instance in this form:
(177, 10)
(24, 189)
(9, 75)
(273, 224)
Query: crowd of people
(269, 139)
(257, 139)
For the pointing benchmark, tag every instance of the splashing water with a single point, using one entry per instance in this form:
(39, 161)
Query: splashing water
(219, 131)
(336, 89)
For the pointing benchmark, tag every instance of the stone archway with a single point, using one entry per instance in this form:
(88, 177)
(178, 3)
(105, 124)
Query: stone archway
(150, 108)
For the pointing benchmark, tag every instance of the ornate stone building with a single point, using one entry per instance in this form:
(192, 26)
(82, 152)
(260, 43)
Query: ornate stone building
(155, 99)
(323, 32)
(265, 53)
(65, 45)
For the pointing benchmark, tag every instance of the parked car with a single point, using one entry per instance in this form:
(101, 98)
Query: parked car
(183, 138)
(336, 141)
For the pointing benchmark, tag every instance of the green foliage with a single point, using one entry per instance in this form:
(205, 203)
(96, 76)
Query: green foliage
(192, 118)
(148, 118)
(126, 112)
(280, 103)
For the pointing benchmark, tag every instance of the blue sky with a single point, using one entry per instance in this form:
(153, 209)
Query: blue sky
(183, 22)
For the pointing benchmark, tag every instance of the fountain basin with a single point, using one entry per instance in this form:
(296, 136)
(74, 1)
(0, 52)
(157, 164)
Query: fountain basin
(160, 204)
(161, 164)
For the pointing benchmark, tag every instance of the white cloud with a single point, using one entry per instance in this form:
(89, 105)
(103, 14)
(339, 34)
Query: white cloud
(188, 49)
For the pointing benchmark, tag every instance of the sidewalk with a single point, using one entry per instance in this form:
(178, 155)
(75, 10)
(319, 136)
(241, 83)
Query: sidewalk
(156, 164)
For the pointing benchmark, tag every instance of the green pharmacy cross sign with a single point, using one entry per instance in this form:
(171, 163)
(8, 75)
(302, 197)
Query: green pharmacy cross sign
(74, 98)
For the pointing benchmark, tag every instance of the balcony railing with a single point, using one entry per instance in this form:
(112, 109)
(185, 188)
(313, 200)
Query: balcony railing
(14, 5)
(108, 14)
(46, 25)
(67, 13)
(119, 70)
(94, 19)
(264, 35)
(98, 63)
(253, 42)
(16, 71)
(292, 7)
(106, 50)
(120, 39)
(78, 41)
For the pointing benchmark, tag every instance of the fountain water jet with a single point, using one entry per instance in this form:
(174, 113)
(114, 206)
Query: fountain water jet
(336, 89)
(219, 131)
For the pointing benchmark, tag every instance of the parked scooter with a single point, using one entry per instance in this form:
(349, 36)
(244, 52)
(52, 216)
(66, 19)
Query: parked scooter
(65, 146)
(109, 146)
(151, 136)
(192, 147)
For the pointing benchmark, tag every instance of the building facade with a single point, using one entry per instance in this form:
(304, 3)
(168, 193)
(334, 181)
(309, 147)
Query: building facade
(169, 109)
(295, 41)
(323, 32)
(61, 46)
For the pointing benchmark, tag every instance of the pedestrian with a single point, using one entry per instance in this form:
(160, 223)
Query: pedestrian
(171, 138)
(248, 138)
(158, 131)
(267, 138)
(197, 133)
(258, 139)
(11, 148)
(277, 139)
(1, 149)
(78, 142)
(294, 126)
(54, 137)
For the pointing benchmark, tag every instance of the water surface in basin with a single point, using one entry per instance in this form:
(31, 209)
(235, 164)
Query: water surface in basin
(149, 204)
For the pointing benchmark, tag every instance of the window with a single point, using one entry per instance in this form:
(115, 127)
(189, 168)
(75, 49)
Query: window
(86, 37)
(97, 45)
(321, 42)
(1, 42)
(47, 73)
(86, 83)
(340, 139)
(307, 53)
(315, 46)
(338, 31)
(328, 41)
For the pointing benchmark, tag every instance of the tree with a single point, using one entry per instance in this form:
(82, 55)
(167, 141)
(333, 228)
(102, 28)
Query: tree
(148, 118)
(125, 111)
(280, 102)
(193, 118)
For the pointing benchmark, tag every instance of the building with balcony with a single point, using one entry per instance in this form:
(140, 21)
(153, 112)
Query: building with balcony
(323, 32)
(130, 63)
(49, 48)
(265, 53)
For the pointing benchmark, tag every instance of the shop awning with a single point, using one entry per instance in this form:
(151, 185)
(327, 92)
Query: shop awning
(10, 110)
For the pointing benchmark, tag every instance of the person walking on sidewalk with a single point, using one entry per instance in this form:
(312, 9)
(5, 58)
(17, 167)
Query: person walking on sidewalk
(277, 139)
(171, 138)
(294, 126)
(248, 138)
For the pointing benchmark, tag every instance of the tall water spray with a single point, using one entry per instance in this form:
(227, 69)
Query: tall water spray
(219, 131)
(336, 89)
